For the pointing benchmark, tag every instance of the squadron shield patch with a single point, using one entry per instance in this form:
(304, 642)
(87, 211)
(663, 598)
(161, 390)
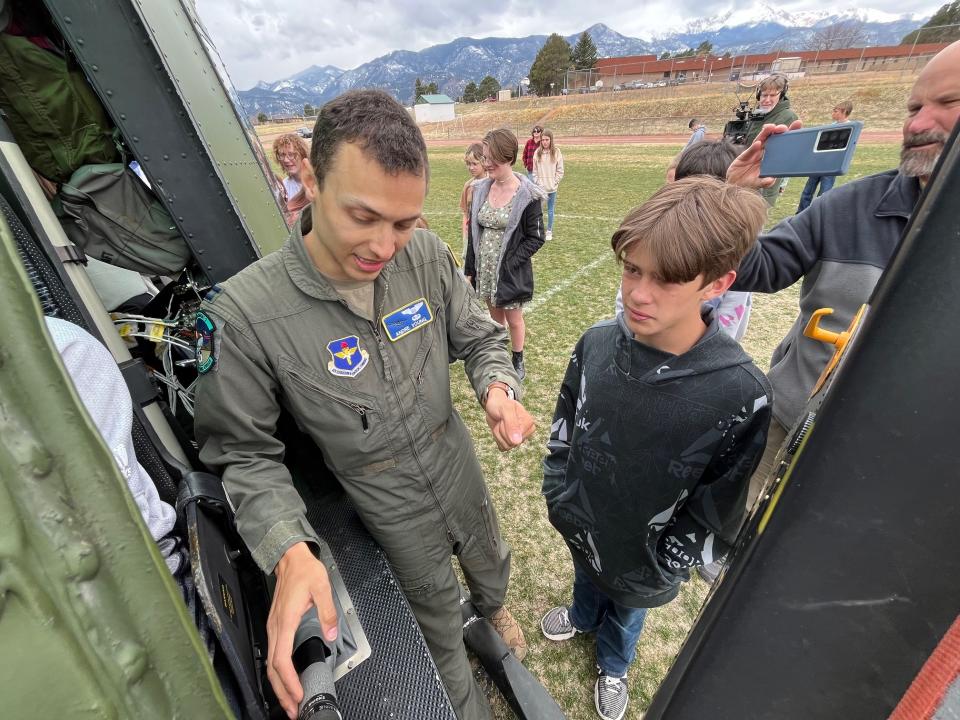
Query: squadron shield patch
(406, 319)
(206, 358)
(347, 357)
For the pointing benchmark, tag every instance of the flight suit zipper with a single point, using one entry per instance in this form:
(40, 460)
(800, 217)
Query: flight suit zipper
(381, 347)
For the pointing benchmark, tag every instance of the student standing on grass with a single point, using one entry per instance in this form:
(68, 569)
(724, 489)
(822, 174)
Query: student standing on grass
(473, 159)
(697, 132)
(840, 114)
(506, 229)
(548, 172)
(530, 148)
(661, 420)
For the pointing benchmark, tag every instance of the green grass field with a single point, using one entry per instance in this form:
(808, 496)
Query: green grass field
(576, 282)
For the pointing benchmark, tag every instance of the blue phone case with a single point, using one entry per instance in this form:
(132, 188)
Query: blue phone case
(811, 151)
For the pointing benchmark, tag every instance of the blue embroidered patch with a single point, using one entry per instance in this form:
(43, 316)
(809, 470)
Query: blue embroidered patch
(204, 349)
(347, 358)
(406, 319)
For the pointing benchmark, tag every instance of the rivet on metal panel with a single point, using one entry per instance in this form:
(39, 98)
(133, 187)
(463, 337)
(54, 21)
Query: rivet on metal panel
(79, 41)
(180, 218)
(95, 68)
(183, 155)
(67, 19)
(146, 158)
(109, 93)
(350, 664)
(122, 116)
(166, 157)
(209, 267)
(136, 139)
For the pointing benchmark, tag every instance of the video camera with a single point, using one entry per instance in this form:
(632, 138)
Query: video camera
(736, 131)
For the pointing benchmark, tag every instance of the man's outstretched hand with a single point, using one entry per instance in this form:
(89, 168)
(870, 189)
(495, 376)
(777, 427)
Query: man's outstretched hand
(745, 170)
(509, 421)
(302, 583)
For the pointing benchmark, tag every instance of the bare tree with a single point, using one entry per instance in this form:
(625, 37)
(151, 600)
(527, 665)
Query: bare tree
(845, 34)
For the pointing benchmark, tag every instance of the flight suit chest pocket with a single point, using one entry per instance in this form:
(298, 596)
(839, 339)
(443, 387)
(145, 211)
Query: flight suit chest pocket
(430, 374)
(348, 427)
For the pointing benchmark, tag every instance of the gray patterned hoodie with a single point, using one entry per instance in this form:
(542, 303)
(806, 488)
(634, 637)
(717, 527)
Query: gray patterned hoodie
(650, 456)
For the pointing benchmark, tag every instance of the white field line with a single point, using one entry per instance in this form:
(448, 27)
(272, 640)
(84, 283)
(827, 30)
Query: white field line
(548, 294)
(430, 213)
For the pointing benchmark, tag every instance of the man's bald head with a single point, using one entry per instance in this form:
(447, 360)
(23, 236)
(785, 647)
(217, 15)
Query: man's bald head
(932, 112)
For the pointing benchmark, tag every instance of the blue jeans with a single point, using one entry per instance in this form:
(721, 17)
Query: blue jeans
(551, 204)
(806, 197)
(618, 627)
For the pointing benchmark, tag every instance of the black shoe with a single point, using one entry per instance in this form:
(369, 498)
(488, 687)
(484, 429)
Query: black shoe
(518, 364)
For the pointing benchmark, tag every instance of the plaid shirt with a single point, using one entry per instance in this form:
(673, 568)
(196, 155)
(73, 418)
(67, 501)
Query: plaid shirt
(529, 149)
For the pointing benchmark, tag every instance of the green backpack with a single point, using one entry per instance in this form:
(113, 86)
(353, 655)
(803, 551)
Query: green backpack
(110, 213)
(53, 113)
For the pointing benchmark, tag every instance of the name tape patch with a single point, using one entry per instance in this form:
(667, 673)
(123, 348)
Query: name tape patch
(406, 319)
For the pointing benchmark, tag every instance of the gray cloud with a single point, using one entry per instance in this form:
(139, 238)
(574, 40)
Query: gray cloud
(269, 40)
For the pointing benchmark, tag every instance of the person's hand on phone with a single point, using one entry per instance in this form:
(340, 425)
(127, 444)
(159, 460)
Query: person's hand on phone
(745, 169)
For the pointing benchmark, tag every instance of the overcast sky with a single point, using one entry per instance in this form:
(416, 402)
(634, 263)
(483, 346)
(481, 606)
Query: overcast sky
(273, 39)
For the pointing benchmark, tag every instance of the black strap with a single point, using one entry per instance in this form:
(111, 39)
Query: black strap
(71, 254)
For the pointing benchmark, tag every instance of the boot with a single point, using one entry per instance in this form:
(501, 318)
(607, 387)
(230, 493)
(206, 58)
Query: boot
(518, 364)
(509, 629)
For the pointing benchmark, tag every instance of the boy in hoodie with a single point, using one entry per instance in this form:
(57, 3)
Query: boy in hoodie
(660, 422)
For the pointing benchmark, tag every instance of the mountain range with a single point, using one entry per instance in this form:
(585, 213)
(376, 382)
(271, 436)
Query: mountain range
(759, 28)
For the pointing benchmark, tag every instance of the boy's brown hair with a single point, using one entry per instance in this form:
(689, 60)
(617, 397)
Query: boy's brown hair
(693, 226)
(845, 106)
(503, 145)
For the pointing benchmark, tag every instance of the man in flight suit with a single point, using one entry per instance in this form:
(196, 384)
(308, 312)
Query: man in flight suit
(351, 327)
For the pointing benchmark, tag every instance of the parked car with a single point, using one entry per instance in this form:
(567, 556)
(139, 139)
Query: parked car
(618, 87)
(304, 132)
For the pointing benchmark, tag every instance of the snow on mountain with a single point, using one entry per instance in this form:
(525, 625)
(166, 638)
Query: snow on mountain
(758, 27)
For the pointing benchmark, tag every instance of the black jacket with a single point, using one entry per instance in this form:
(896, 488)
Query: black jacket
(522, 238)
(650, 457)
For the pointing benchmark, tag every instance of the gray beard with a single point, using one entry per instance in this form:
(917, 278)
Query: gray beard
(918, 163)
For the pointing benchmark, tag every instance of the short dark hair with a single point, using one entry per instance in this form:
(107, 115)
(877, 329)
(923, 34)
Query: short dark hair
(503, 145)
(694, 226)
(379, 125)
(693, 121)
(707, 157)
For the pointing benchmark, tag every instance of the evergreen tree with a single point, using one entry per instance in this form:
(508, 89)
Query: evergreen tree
(489, 87)
(665, 55)
(261, 117)
(704, 48)
(550, 65)
(308, 110)
(470, 92)
(948, 14)
(584, 52)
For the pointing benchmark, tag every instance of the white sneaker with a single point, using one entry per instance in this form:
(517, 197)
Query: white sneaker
(549, 234)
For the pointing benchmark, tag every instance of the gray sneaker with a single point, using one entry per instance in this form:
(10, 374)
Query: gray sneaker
(556, 624)
(610, 696)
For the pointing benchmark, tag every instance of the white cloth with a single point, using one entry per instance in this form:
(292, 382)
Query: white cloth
(103, 392)
(291, 186)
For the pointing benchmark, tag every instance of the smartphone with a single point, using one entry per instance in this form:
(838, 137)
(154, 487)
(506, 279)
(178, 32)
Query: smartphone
(821, 150)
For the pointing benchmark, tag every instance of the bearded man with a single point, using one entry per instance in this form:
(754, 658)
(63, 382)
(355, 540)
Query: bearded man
(841, 244)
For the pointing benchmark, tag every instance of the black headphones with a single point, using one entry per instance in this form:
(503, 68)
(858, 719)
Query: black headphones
(786, 84)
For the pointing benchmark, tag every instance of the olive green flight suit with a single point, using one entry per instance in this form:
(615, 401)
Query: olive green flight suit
(380, 411)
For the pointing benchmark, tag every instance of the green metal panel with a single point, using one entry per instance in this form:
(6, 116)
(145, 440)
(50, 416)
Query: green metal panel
(199, 77)
(91, 622)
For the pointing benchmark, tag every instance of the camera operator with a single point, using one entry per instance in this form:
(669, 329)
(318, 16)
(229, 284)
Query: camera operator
(841, 244)
(773, 107)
